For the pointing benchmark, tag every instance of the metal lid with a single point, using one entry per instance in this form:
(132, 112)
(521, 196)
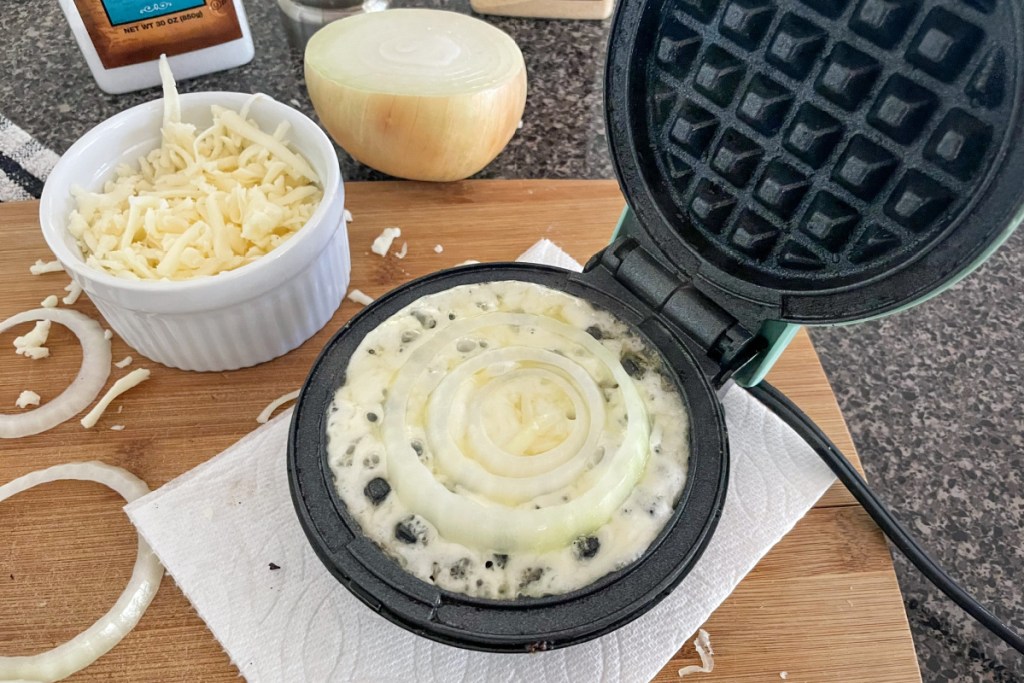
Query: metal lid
(819, 160)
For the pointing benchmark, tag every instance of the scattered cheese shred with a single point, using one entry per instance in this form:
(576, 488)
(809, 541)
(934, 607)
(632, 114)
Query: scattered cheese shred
(27, 398)
(41, 266)
(49, 302)
(200, 204)
(438, 249)
(108, 335)
(359, 297)
(702, 643)
(117, 428)
(264, 416)
(383, 241)
(467, 262)
(403, 251)
(74, 291)
(124, 362)
(348, 216)
(31, 344)
(783, 675)
(132, 379)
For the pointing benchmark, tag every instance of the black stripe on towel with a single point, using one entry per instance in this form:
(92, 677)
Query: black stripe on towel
(14, 171)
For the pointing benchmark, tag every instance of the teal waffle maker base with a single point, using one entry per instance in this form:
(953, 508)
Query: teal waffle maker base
(777, 334)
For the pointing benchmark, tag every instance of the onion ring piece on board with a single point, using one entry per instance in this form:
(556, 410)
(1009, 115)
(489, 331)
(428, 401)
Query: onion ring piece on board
(82, 391)
(98, 639)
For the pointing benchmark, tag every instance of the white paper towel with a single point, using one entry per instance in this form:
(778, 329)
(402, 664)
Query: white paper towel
(218, 528)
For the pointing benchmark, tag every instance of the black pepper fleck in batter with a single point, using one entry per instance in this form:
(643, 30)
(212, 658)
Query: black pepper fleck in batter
(633, 366)
(531, 575)
(377, 490)
(586, 547)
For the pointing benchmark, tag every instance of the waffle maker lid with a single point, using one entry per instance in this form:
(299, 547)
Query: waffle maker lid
(818, 161)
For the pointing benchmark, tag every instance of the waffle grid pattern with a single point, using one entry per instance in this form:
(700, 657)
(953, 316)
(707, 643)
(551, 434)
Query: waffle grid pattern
(821, 142)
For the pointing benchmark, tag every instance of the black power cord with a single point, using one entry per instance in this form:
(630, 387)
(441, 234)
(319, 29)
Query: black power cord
(777, 402)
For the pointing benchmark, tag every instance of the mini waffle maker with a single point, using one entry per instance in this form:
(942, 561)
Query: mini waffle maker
(784, 162)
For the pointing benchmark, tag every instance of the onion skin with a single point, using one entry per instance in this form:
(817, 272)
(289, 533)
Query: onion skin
(433, 138)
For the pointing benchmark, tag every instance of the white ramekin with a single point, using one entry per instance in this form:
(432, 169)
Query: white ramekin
(230, 320)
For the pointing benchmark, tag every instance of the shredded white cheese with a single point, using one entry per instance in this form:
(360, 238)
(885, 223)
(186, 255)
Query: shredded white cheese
(49, 302)
(403, 251)
(117, 428)
(124, 362)
(41, 266)
(108, 335)
(201, 203)
(383, 241)
(264, 416)
(783, 675)
(27, 398)
(74, 291)
(438, 248)
(702, 643)
(132, 379)
(31, 344)
(467, 262)
(359, 297)
(348, 216)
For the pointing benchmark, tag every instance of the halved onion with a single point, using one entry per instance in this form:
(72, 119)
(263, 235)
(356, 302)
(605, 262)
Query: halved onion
(86, 386)
(98, 639)
(417, 93)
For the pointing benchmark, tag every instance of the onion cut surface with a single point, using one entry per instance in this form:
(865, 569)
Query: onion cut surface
(416, 93)
(98, 639)
(86, 386)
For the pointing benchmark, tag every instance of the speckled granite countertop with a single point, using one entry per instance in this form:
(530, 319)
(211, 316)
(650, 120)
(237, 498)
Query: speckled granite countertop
(933, 396)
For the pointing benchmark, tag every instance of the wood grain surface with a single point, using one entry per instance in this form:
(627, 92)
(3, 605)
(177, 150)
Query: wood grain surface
(823, 605)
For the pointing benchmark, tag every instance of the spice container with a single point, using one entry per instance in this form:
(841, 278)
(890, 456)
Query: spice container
(122, 40)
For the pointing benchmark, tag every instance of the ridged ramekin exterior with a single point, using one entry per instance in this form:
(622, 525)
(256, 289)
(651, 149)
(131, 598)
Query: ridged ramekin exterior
(247, 333)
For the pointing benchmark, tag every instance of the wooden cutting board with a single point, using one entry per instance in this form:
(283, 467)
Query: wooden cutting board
(823, 605)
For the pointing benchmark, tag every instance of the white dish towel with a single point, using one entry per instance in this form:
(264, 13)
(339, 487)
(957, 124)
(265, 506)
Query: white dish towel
(218, 528)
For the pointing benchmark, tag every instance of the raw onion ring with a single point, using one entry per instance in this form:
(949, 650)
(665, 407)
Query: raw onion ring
(460, 518)
(98, 639)
(86, 386)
